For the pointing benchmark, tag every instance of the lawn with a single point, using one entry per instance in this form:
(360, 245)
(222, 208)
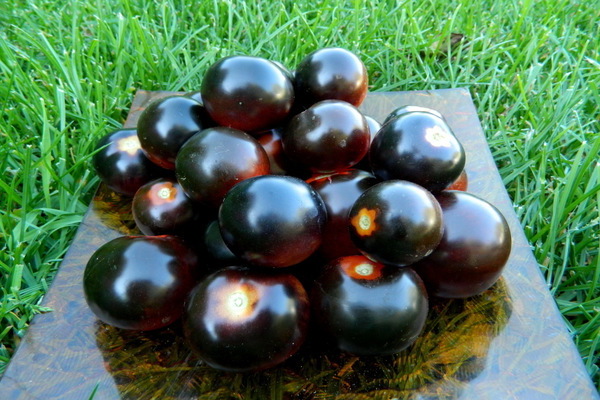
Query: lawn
(69, 69)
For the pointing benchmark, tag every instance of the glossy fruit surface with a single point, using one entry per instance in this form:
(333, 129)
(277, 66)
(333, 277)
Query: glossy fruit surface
(166, 124)
(329, 136)
(418, 147)
(339, 191)
(368, 308)
(408, 109)
(216, 249)
(280, 164)
(140, 282)
(240, 320)
(473, 251)
(396, 222)
(121, 164)
(272, 220)
(331, 73)
(215, 159)
(247, 93)
(161, 207)
(461, 183)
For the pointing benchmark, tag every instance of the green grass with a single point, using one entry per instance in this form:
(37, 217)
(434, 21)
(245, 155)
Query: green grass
(68, 71)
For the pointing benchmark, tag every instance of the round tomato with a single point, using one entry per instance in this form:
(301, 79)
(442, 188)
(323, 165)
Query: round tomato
(140, 282)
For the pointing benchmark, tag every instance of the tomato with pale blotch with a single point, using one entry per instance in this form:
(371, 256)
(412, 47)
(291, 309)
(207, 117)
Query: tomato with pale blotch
(339, 191)
(121, 163)
(367, 308)
(396, 222)
(240, 319)
(161, 207)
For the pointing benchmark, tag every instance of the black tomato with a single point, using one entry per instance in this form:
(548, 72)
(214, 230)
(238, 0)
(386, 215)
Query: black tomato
(331, 73)
(461, 183)
(216, 249)
(272, 220)
(339, 191)
(140, 282)
(279, 162)
(247, 93)
(166, 124)
(161, 207)
(473, 251)
(241, 320)
(331, 135)
(207, 121)
(408, 109)
(215, 159)
(374, 127)
(368, 308)
(121, 164)
(396, 222)
(418, 147)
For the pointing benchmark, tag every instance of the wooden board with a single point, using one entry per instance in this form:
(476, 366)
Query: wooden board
(509, 343)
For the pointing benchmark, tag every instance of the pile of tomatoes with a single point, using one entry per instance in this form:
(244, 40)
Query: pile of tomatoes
(271, 207)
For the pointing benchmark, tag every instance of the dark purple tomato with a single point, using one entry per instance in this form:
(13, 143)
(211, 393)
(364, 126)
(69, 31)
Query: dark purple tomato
(121, 164)
(368, 308)
(339, 191)
(207, 121)
(140, 282)
(238, 319)
(216, 249)
(473, 251)
(396, 222)
(408, 109)
(247, 93)
(461, 183)
(331, 135)
(417, 147)
(331, 74)
(374, 127)
(166, 124)
(272, 220)
(215, 159)
(279, 162)
(161, 207)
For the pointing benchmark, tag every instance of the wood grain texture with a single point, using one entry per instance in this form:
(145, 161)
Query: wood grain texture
(508, 343)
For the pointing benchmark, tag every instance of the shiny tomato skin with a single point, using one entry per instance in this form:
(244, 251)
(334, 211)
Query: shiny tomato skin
(331, 74)
(461, 183)
(240, 319)
(331, 135)
(272, 220)
(140, 282)
(396, 222)
(214, 160)
(160, 207)
(121, 164)
(247, 93)
(408, 109)
(418, 147)
(280, 164)
(368, 308)
(473, 251)
(166, 124)
(339, 191)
